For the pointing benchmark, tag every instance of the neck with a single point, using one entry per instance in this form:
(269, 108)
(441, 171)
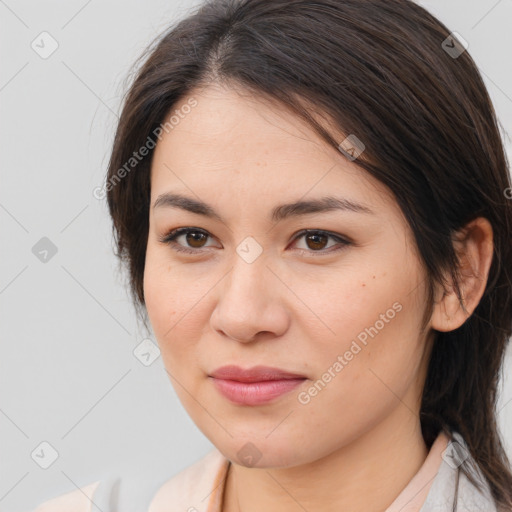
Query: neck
(367, 473)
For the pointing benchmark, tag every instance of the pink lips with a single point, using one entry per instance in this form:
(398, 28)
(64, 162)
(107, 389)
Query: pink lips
(254, 386)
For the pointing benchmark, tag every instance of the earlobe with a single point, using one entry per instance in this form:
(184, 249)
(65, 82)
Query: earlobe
(474, 247)
(448, 314)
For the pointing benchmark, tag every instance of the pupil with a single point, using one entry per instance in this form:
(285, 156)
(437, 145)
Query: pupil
(312, 237)
(195, 238)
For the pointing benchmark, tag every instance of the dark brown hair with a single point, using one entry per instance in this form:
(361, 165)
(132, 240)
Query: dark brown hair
(381, 71)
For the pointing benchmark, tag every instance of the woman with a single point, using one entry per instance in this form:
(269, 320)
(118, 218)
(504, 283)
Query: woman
(311, 200)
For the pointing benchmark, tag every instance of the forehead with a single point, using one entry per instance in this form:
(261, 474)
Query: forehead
(231, 124)
(233, 138)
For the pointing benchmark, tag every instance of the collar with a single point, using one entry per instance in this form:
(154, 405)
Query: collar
(439, 484)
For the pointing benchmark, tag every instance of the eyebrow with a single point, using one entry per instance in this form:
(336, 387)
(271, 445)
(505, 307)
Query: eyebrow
(280, 212)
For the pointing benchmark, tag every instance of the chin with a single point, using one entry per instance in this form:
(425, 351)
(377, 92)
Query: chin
(260, 452)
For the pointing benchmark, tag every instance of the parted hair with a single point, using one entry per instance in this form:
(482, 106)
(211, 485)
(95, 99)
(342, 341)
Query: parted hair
(392, 74)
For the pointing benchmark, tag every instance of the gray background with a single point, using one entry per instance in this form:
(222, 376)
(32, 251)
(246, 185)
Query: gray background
(68, 374)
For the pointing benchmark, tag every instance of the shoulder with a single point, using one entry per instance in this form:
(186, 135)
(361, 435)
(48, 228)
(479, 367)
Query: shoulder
(135, 491)
(451, 489)
(78, 500)
(195, 487)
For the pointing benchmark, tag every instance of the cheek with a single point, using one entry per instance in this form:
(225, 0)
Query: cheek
(345, 308)
(360, 383)
(171, 313)
(165, 300)
(158, 296)
(175, 304)
(365, 332)
(165, 292)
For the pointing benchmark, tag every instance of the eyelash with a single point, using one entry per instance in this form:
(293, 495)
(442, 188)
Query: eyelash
(170, 237)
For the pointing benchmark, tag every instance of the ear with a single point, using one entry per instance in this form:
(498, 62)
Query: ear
(474, 247)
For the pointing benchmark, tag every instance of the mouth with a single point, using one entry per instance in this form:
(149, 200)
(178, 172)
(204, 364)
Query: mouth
(254, 386)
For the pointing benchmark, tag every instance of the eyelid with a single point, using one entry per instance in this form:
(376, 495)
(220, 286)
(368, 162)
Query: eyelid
(344, 241)
(170, 236)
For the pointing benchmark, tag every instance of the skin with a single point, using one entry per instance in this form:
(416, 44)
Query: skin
(357, 443)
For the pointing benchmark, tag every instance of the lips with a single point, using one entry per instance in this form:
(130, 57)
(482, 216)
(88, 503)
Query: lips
(254, 386)
(254, 374)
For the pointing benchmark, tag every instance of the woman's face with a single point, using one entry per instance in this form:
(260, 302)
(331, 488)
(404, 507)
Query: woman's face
(341, 309)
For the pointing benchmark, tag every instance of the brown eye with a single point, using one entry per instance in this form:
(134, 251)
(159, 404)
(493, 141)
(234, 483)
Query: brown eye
(316, 242)
(194, 239)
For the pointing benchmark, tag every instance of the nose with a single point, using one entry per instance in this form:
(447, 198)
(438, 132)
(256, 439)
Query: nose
(250, 303)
